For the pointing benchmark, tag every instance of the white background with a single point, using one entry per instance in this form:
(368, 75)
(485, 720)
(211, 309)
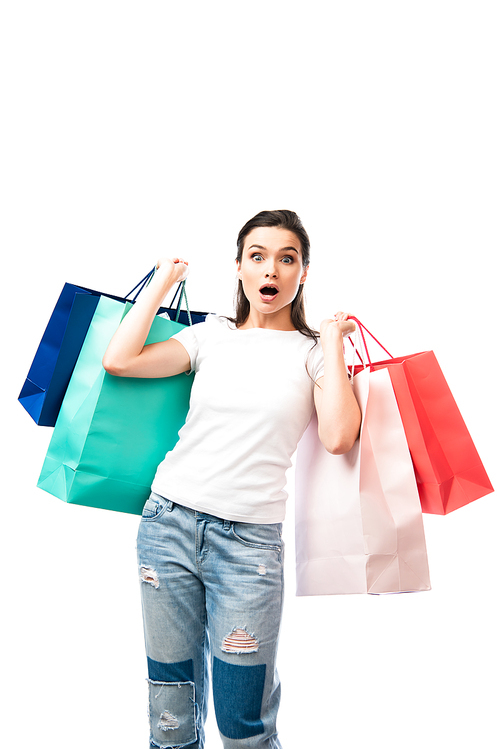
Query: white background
(136, 129)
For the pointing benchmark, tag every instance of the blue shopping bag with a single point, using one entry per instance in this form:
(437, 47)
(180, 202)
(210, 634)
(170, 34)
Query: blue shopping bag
(61, 343)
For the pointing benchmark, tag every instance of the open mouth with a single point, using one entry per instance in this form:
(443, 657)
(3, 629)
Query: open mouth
(268, 291)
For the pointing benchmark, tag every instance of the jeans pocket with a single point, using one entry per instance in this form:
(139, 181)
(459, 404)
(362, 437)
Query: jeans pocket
(155, 507)
(258, 535)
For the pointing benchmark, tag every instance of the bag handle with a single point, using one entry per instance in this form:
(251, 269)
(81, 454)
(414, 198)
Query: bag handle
(355, 351)
(181, 291)
(362, 329)
(140, 286)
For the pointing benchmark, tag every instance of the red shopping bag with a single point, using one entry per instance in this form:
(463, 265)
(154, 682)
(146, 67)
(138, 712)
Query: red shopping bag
(448, 468)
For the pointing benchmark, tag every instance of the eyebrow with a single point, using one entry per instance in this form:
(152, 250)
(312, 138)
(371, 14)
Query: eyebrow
(283, 249)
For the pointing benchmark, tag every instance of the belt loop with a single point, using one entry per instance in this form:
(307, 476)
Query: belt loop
(227, 525)
(170, 506)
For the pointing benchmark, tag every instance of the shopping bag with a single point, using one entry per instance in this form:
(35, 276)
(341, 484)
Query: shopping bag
(55, 358)
(112, 432)
(50, 371)
(448, 469)
(359, 526)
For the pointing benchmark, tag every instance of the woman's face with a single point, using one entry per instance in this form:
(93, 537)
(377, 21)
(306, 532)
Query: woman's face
(271, 269)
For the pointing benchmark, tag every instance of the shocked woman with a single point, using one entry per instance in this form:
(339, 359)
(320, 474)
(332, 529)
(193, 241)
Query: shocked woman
(209, 544)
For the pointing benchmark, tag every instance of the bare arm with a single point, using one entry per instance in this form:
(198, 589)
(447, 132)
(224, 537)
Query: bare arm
(339, 416)
(126, 355)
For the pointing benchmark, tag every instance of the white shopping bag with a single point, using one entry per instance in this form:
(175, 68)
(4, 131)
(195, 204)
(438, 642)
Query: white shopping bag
(359, 526)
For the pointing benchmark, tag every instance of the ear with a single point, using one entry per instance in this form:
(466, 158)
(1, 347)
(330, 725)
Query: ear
(238, 269)
(304, 275)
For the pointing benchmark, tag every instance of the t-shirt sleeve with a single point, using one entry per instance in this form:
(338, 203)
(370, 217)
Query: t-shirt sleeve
(190, 338)
(315, 363)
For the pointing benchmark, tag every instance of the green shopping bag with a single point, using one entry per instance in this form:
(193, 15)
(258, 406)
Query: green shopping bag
(112, 432)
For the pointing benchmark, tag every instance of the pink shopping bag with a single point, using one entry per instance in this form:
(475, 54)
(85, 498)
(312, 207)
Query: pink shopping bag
(359, 526)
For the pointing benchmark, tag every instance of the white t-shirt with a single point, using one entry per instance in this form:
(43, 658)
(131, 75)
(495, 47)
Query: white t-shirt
(251, 400)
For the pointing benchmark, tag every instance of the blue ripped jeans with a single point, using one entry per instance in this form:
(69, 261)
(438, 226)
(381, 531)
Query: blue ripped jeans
(212, 594)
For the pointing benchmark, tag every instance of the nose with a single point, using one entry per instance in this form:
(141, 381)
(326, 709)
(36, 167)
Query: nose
(271, 273)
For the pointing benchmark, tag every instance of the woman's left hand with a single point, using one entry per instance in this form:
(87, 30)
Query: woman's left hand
(340, 324)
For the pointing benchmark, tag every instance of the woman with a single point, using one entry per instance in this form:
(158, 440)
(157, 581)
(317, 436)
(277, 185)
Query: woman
(209, 543)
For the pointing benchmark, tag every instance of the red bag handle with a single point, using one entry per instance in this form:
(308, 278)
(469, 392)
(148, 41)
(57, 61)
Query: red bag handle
(363, 328)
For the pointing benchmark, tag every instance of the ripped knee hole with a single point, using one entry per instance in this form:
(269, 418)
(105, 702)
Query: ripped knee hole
(239, 641)
(150, 576)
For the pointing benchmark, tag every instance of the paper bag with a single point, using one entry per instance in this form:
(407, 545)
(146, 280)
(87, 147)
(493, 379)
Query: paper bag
(359, 526)
(112, 432)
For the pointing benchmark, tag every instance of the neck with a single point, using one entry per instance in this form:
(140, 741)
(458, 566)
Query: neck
(281, 320)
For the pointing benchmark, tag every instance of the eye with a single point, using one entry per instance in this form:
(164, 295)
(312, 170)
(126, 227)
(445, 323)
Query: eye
(256, 256)
(287, 260)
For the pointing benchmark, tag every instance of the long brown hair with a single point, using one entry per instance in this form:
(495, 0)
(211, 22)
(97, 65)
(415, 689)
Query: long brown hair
(281, 220)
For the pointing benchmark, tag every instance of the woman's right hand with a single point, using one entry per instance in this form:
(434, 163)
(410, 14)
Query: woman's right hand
(175, 266)
(127, 354)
